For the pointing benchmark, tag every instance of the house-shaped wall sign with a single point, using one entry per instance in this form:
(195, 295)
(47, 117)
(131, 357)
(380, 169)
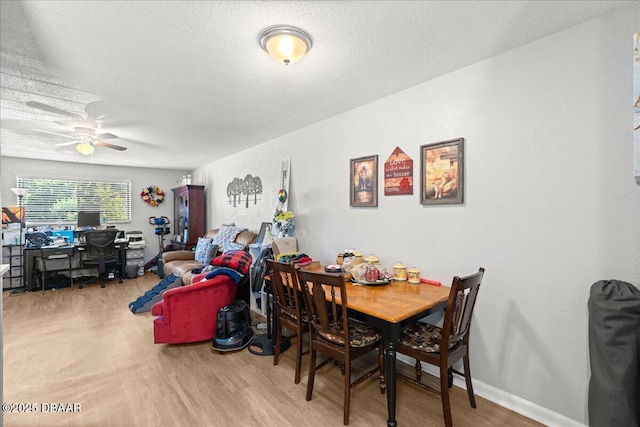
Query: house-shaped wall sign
(398, 174)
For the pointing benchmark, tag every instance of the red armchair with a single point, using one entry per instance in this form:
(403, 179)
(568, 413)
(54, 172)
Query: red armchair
(189, 313)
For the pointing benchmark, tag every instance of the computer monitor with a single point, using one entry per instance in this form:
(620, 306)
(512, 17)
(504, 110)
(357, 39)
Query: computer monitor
(88, 220)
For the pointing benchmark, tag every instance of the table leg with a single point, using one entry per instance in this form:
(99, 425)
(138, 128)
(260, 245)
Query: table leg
(390, 381)
(70, 270)
(28, 259)
(123, 261)
(44, 271)
(390, 334)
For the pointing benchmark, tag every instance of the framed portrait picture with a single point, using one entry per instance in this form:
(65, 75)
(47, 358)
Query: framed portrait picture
(442, 172)
(364, 181)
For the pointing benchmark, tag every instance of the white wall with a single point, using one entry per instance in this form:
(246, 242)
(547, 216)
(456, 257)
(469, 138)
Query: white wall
(551, 204)
(12, 167)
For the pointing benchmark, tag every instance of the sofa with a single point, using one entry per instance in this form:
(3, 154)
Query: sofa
(189, 313)
(182, 263)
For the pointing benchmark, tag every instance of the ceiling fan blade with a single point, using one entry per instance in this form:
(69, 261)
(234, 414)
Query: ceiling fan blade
(77, 123)
(96, 110)
(62, 144)
(53, 133)
(51, 109)
(107, 145)
(106, 135)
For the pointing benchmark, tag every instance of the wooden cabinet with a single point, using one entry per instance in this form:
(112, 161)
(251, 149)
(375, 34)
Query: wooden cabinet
(188, 216)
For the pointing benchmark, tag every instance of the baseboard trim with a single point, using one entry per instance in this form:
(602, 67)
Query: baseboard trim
(507, 400)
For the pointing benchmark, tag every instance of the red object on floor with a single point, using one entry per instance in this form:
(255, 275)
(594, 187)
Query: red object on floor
(430, 282)
(190, 313)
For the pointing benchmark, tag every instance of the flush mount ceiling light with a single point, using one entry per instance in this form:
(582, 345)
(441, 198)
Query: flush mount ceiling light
(85, 148)
(285, 43)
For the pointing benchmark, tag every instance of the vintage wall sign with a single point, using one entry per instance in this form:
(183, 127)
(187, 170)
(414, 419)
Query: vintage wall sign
(398, 174)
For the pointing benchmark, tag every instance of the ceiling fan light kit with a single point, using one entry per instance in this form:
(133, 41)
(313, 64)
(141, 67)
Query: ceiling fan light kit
(85, 148)
(285, 43)
(85, 130)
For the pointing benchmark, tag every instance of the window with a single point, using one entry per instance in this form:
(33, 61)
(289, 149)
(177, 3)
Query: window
(51, 201)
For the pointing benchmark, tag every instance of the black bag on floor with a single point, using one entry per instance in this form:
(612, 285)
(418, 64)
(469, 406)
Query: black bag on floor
(614, 350)
(233, 329)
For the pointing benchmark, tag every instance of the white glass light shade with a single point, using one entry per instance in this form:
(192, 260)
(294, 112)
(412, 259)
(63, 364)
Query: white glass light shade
(285, 44)
(84, 148)
(20, 192)
(287, 49)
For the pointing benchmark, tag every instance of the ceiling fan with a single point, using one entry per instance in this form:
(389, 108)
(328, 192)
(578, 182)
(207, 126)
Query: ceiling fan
(86, 130)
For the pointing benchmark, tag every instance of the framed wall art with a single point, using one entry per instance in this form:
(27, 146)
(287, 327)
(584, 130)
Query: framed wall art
(442, 172)
(364, 181)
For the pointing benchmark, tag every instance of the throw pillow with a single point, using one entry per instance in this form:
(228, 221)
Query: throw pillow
(235, 275)
(232, 246)
(226, 234)
(203, 250)
(237, 260)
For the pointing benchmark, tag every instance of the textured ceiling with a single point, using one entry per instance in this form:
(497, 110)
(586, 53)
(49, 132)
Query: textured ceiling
(190, 77)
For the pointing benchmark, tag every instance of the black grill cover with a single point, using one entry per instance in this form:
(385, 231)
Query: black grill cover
(614, 344)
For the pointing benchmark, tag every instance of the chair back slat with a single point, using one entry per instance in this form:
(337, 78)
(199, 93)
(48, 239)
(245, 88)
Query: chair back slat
(459, 310)
(327, 316)
(286, 290)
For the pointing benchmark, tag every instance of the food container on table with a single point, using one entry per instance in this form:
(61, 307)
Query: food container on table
(356, 257)
(371, 260)
(399, 271)
(414, 275)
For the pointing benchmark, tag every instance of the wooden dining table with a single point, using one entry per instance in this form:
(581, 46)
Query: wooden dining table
(391, 308)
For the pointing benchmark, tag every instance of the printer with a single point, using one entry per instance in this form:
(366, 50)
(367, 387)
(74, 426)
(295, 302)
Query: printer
(135, 239)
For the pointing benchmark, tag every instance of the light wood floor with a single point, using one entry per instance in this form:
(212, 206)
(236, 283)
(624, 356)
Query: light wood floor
(86, 347)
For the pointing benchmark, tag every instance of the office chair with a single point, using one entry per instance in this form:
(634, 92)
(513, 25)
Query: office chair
(100, 251)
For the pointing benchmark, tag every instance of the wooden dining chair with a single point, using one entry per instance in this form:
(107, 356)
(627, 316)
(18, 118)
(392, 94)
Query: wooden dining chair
(334, 333)
(289, 309)
(423, 341)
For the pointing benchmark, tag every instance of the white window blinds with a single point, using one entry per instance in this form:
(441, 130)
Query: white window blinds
(50, 201)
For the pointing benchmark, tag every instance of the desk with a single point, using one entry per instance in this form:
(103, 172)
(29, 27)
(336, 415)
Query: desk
(391, 308)
(53, 253)
(74, 252)
(31, 255)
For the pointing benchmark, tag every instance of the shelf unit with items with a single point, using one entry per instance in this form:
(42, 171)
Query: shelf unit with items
(12, 256)
(136, 257)
(188, 216)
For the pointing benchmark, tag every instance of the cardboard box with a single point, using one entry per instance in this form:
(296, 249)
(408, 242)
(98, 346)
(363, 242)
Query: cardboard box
(11, 237)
